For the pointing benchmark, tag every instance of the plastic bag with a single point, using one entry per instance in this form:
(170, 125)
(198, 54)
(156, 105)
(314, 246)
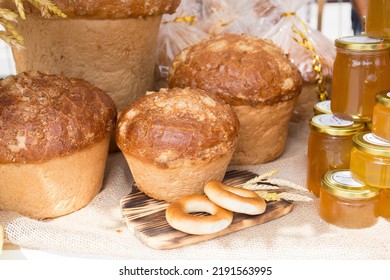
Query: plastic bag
(278, 20)
(227, 16)
(177, 31)
(310, 50)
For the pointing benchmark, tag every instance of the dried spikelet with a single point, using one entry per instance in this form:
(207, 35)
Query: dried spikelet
(263, 183)
(286, 183)
(10, 35)
(294, 197)
(256, 187)
(259, 178)
(47, 8)
(19, 6)
(140, 212)
(267, 196)
(7, 15)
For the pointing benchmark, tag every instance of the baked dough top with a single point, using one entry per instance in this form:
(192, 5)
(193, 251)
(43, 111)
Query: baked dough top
(47, 116)
(240, 69)
(177, 127)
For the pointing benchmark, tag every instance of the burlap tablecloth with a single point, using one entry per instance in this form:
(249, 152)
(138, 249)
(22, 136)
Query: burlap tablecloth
(98, 231)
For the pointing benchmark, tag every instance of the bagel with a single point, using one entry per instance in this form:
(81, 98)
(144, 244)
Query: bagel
(178, 215)
(235, 199)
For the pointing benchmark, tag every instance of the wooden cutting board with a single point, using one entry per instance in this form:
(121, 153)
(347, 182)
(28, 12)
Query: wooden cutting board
(154, 231)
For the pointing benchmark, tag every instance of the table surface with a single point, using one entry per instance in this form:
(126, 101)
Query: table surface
(97, 231)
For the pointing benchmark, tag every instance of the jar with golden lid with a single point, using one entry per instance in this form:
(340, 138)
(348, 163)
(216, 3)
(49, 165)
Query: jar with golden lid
(381, 116)
(329, 147)
(322, 107)
(347, 203)
(361, 69)
(370, 160)
(377, 19)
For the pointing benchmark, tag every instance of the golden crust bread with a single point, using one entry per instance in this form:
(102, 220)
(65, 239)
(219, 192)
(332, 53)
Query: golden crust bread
(110, 9)
(47, 116)
(177, 127)
(55, 187)
(241, 69)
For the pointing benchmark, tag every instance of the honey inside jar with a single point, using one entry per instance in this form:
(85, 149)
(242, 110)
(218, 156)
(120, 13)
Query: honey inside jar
(383, 206)
(370, 160)
(361, 70)
(381, 116)
(329, 147)
(377, 19)
(347, 203)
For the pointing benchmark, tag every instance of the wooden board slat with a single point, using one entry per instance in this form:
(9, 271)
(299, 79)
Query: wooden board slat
(154, 231)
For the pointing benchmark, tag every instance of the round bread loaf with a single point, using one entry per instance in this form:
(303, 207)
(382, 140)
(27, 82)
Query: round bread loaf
(255, 77)
(54, 137)
(176, 140)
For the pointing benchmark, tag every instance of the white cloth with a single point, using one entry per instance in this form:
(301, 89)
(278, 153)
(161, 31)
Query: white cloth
(98, 231)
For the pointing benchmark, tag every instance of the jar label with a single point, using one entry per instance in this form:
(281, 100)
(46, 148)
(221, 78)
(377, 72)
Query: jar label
(324, 105)
(372, 139)
(345, 178)
(388, 94)
(331, 120)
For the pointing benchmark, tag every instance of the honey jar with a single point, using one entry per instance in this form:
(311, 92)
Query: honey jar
(383, 207)
(361, 69)
(370, 160)
(381, 116)
(329, 147)
(377, 19)
(322, 107)
(347, 203)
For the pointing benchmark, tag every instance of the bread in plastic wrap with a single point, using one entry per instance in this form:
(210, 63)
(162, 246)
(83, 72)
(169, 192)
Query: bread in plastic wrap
(276, 20)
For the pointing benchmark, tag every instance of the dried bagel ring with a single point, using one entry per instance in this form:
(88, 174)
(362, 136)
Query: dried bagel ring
(235, 199)
(179, 217)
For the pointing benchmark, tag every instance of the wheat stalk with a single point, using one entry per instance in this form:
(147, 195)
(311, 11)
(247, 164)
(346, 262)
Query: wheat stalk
(19, 6)
(262, 184)
(47, 8)
(143, 211)
(9, 18)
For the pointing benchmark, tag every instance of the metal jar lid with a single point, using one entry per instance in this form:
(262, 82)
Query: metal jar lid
(371, 144)
(333, 125)
(322, 107)
(361, 43)
(383, 98)
(339, 182)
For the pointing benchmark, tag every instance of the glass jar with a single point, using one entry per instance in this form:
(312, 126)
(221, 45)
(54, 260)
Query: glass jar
(383, 207)
(329, 147)
(381, 116)
(377, 19)
(361, 69)
(322, 107)
(370, 160)
(347, 203)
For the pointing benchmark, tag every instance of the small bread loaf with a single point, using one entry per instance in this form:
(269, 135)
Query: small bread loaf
(176, 140)
(54, 136)
(255, 77)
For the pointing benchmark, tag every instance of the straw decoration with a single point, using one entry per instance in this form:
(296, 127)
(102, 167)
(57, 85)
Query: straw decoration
(304, 41)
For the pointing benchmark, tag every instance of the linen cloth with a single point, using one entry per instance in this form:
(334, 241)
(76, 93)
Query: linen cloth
(97, 231)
